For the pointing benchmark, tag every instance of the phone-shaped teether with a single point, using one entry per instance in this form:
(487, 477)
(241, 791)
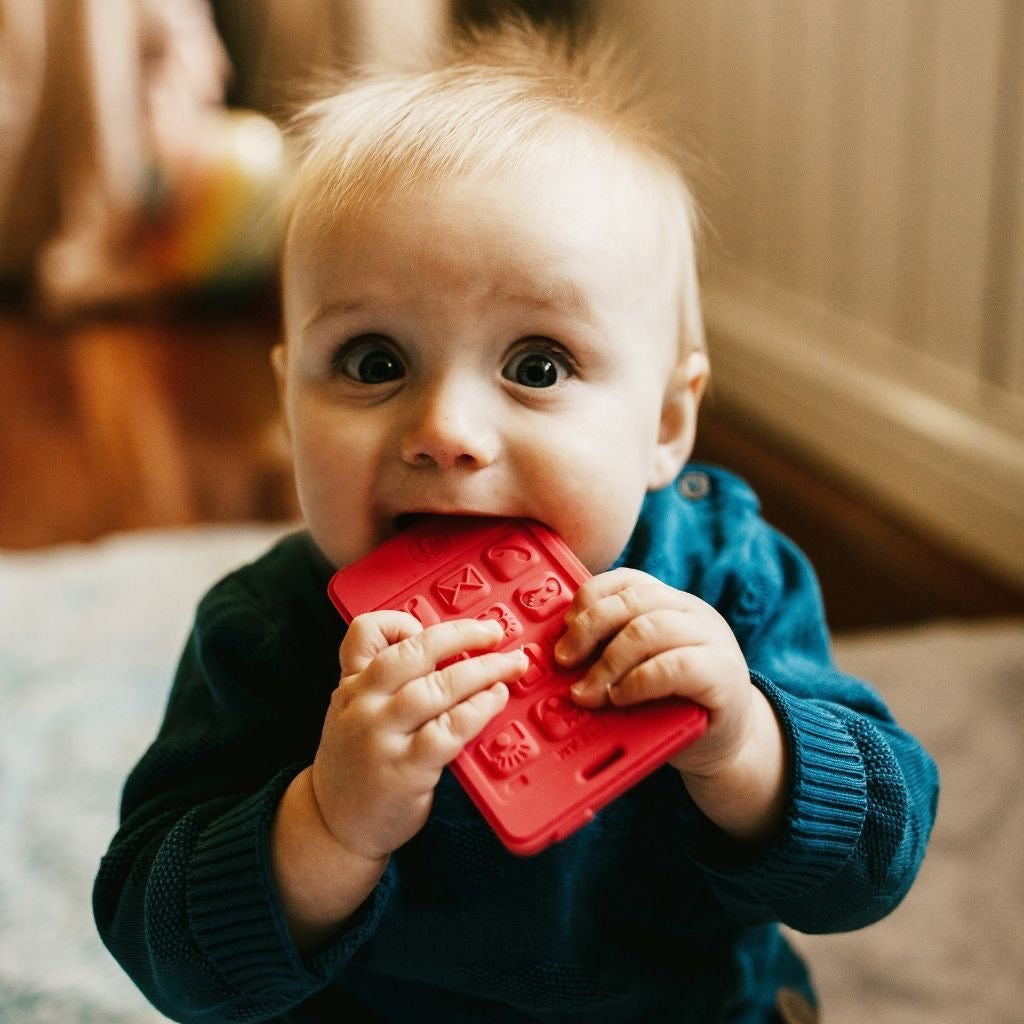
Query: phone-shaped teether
(544, 766)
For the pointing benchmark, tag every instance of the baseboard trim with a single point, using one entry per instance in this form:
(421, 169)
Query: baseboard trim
(954, 475)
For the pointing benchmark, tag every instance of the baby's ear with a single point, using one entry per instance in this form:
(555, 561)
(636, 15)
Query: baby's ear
(678, 426)
(279, 361)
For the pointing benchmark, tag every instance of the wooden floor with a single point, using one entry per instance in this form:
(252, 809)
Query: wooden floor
(163, 419)
(120, 423)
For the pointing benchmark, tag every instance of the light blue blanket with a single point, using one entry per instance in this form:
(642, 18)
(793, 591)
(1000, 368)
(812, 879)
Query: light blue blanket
(89, 637)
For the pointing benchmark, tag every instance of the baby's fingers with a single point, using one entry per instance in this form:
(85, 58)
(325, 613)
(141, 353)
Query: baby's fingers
(442, 738)
(643, 638)
(371, 633)
(678, 672)
(608, 614)
(430, 696)
(418, 654)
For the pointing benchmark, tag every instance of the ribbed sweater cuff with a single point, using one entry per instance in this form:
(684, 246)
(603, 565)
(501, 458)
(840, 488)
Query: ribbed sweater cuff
(236, 915)
(827, 806)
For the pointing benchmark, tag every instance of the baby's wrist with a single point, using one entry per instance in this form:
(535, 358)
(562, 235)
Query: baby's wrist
(343, 848)
(320, 882)
(746, 796)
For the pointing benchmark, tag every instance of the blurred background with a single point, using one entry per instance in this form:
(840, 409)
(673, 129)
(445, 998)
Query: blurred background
(860, 169)
(859, 166)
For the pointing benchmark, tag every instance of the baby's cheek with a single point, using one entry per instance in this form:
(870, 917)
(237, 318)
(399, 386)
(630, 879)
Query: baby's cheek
(336, 512)
(586, 482)
(611, 519)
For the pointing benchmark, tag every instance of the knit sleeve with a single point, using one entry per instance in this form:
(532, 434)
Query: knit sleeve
(185, 897)
(863, 792)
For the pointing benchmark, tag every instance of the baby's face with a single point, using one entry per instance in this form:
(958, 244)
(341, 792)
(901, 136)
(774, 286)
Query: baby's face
(497, 348)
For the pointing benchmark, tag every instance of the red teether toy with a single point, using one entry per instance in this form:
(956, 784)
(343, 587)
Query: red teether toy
(545, 765)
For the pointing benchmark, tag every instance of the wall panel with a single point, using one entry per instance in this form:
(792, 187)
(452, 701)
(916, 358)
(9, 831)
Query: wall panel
(868, 200)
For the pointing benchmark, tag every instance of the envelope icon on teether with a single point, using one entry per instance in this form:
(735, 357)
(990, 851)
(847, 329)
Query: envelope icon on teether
(461, 589)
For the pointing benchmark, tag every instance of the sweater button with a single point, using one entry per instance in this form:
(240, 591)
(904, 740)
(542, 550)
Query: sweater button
(794, 1007)
(694, 485)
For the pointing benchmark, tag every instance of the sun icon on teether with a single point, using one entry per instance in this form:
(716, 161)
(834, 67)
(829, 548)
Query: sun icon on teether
(508, 749)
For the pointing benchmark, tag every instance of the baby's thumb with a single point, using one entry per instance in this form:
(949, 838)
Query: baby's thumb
(371, 633)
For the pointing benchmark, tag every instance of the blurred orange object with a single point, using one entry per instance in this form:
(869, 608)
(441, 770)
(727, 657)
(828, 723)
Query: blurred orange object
(216, 221)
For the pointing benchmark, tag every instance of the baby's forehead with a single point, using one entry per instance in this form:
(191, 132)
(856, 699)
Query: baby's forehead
(525, 234)
(607, 180)
(640, 212)
(565, 110)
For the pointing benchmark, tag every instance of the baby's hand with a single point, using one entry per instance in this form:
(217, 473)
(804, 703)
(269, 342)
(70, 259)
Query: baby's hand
(656, 641)
(396, 720)
(651, 640)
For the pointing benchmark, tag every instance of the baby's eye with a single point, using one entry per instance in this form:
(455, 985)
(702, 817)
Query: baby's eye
(368, 360)
(537, 367)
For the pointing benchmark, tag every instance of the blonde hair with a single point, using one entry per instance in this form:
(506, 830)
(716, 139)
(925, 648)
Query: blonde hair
(497, 100)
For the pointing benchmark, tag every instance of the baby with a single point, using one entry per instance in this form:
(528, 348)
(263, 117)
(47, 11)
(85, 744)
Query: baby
(491, 308)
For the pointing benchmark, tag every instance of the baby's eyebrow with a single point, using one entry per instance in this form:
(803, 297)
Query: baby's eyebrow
(342, 307)
(558, 295)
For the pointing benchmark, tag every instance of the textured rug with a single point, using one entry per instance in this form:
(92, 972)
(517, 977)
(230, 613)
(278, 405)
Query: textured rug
(89, 635)
(954, 950)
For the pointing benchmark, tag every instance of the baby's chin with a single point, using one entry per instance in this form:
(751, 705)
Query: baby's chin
(598, 565)
(341, 553)
(598, 554)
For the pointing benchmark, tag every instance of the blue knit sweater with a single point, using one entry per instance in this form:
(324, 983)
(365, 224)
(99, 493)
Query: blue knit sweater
(647, 914)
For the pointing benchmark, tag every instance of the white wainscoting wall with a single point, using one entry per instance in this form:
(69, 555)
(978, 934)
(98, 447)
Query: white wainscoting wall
(860, 165)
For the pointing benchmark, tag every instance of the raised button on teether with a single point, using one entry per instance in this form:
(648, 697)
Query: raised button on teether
(461, 589)
(559, 716)
(508, 749)
(501, 613)
(511, 557)
(419, 607)
(535, 674)
(542, 596)
(428, 545)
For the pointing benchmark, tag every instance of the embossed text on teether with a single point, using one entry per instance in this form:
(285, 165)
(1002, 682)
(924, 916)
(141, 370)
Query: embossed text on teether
(576, 743)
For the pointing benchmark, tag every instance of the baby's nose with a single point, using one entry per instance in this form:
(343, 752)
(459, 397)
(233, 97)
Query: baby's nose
(449, 429)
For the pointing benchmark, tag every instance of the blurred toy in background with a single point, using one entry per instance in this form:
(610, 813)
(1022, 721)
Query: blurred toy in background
(213, 221)
(122, 174)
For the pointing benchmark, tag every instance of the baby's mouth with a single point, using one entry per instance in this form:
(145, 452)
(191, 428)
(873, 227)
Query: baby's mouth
(408, 519)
